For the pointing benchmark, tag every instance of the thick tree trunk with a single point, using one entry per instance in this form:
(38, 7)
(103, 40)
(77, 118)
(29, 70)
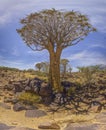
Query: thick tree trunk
(54, 70)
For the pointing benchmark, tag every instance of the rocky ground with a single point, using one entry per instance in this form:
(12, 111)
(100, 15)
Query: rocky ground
(86, 109)
(63, 120)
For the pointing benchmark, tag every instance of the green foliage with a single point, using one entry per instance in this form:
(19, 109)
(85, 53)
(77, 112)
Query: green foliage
(39, 66)
(28, 97)
(71, 91)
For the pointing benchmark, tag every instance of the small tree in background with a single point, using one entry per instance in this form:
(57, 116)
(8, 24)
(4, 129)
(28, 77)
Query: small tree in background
(39, 66)
(87, 73)
(69, 68)
(45, 67)
(54, 31)
(64, 63)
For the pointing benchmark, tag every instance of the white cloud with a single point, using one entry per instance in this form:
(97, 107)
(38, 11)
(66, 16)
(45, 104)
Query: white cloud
(86, 58)
(15, 63)
(99, 22)
(13, 9)
(77, 56)
(100, 45)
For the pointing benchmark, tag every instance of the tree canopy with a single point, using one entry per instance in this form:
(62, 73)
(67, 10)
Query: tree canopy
(61, 28)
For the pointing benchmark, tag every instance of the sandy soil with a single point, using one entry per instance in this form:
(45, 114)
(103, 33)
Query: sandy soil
(12, 118)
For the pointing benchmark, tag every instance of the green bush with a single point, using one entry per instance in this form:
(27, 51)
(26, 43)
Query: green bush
(29, 98)
(71, 91)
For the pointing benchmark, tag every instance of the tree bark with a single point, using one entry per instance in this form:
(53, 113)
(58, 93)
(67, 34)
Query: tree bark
(54, 70)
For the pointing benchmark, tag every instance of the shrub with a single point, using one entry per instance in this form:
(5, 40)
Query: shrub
(29, 98)
(71, 90)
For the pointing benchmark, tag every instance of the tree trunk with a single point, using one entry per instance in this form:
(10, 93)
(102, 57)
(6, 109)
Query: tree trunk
(54, 70)
(64, 71)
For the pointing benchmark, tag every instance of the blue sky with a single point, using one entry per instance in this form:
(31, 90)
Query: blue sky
(14, 52)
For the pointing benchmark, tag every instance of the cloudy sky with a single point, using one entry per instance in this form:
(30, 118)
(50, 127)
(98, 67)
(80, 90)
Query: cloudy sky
(14, 52)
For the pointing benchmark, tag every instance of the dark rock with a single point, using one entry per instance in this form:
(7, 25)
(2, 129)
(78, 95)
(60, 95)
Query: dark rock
(49, 125)
(45, 90)
(9, 87)
(27, 88)
(30, 107)
(46, 93)
(4, 105)
(36, 83)
(8, 100)
(19, 107)
(36, 89)
(10, 81)
(4, 127)
(18, 87)
(33, 83)
(65, 83)
(14, 101)
(35, 113)
(58, 96)
(47, 100)
(27, 82)
(83, 126)
(68, 84)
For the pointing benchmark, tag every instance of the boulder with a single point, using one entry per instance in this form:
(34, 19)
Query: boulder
(36, 89)
(19, 107)
(83, 126)
(65, 83)
(14, 101)
(35, 113)
(18, 87)
(7, 100)
(4, 126)
(68, 84)
(45, 90)
(49, 125)
(27, 88)
(30, 107)
(9, 87)
(46, 93)
(46, 100)
(27, 82)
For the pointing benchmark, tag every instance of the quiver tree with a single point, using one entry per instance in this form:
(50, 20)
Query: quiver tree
(88, 72)
(64, 63)
(54, 30)
(39, 66)
(45, 66)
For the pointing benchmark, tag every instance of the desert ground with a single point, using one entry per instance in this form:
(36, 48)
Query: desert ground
(63, 119)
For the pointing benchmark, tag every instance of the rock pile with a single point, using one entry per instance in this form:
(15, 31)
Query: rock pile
(88, 95)
(35, 85)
